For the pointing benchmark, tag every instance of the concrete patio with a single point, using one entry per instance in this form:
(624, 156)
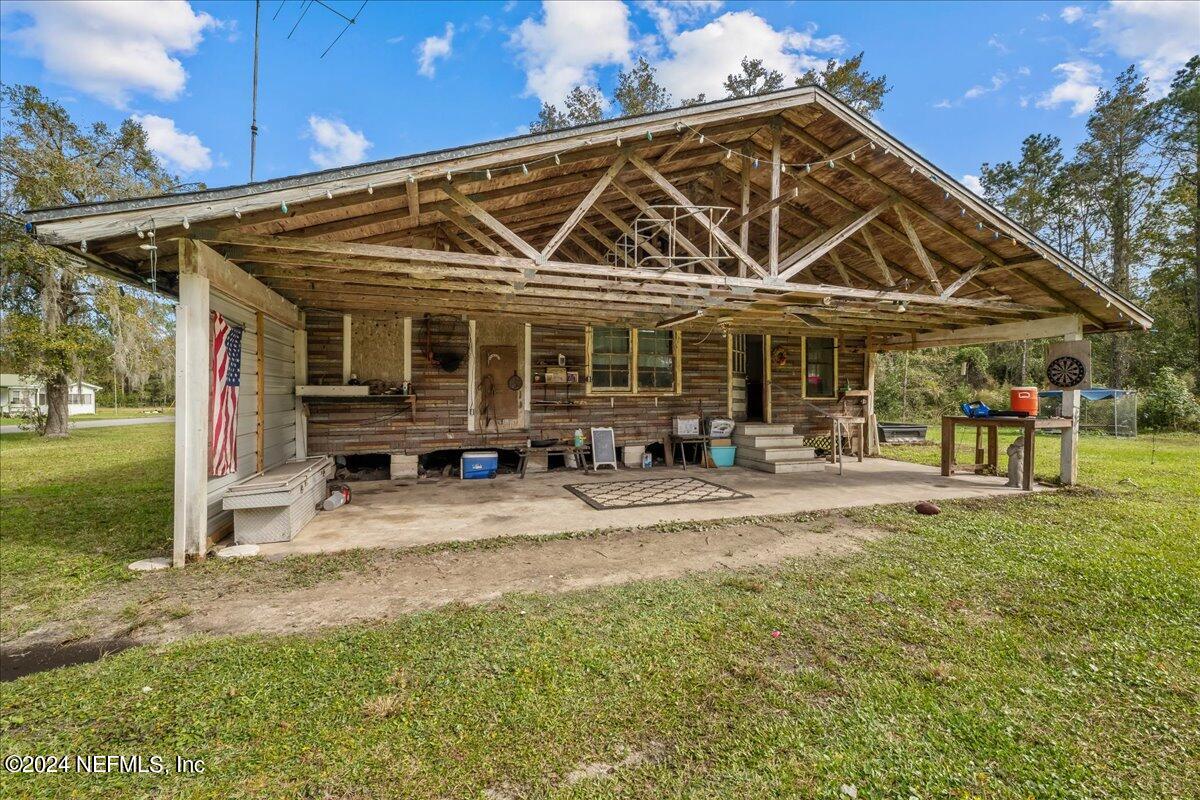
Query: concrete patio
(411, 513)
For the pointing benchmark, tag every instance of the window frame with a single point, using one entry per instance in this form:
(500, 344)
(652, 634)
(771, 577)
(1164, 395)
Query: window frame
(804, 368)
(634, 389)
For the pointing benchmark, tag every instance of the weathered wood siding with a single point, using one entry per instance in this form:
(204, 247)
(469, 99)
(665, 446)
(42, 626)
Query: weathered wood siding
(341, 427)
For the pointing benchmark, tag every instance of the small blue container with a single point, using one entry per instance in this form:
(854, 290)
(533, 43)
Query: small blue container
(723, 456)
(479, 464)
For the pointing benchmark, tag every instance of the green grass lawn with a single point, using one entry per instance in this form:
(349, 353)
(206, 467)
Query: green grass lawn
(105, 413)
(1041, 646)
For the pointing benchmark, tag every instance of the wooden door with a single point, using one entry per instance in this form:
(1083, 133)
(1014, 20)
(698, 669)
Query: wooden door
(497, 403)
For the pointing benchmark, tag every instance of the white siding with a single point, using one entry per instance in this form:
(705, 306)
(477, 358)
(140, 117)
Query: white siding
(279, 433)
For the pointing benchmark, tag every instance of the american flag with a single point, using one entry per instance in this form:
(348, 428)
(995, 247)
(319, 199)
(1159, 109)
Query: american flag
(224, 379)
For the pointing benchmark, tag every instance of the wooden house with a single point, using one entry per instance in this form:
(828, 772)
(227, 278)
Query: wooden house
(745, 258)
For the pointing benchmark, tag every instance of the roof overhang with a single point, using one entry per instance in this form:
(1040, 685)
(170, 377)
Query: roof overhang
(888, 243)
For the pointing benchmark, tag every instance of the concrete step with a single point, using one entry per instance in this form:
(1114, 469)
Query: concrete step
(781, 440)
(777, 453)
(783, 467)
(763, 429)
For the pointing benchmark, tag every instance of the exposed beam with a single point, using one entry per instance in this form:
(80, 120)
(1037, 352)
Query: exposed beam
(1045, 328)
(682, 199)
(414, 199)
(877, 255)
(776, 177)
(223, 275)
(474, 232)
(830, 239)
(584, 206)
(961, 281)
(498, 227)
(744, 228)
(676, 234)
(918, 248)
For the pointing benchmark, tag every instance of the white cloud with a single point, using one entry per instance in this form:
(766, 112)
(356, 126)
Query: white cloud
(972, 183)
(994, 84)
(1071, 14)
(669, 15)
(700, 59)
(114, 49)
(1159, 36)
(996, 43)
(1079, 86)
(433, 48)
(183, 151)
(336, 143)
(564, 48)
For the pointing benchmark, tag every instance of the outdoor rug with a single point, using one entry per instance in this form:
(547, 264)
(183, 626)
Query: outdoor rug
(655, 492)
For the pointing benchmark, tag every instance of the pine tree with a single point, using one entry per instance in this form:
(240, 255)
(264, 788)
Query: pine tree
(753, 79)
(639, 92)
(850, 83)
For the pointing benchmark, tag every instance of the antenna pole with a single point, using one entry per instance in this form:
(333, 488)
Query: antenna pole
(254, 94)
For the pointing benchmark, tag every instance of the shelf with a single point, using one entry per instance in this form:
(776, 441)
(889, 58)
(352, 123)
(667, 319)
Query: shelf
(368, 398)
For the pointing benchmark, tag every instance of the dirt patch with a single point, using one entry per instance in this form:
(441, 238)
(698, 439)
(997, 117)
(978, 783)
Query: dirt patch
(381, 585)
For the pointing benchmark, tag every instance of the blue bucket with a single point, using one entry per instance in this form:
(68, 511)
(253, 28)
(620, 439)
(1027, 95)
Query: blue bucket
(723, 456)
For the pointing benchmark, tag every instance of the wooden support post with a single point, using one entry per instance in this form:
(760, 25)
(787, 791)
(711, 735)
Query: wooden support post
(744, 231)
(1069, 458)
(729, 375)
(300, 364)
(407, 349)
(471, 372)
(776, 175)
(260, 390)
(191, 416)
(871, 433)
(768, 407)
(347, 335)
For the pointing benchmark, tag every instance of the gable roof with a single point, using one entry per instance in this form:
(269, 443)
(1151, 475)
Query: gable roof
(538, 178)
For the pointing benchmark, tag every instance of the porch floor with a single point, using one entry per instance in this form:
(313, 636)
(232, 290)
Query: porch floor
(410, 513)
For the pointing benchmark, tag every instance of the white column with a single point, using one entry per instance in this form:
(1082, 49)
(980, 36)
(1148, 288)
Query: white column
(1069, 460)
(300, 362)
(191, 417)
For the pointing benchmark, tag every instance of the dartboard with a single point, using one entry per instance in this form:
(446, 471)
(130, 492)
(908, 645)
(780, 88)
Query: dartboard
(1066, 371)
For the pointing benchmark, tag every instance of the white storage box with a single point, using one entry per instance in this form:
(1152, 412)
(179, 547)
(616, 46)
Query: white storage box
(688, 425)
(631, 455)
(273, 505)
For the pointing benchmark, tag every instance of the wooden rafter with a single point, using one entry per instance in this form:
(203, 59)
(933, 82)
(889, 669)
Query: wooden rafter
(824, 243)
(877, 257)
(684, 242)
(498, 227)
(918, 248)
(682, 199)
(584, 206)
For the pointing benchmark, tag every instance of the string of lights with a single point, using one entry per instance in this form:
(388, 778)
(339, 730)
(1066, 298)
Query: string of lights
(796, 169)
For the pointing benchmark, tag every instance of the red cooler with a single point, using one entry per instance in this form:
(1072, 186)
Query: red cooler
(1024, 398)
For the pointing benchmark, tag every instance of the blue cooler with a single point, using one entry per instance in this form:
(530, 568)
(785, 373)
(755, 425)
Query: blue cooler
(479, 464)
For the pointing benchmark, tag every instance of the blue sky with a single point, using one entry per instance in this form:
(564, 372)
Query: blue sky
(970, 80)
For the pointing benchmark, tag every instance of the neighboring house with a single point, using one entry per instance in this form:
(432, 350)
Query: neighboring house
(745, 258)
(19, 393)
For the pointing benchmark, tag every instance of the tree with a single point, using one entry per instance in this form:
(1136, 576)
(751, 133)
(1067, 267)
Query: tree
(1181, 123)
(753, 79)
(639, 92)
(51, 313)
(583, 104)
(850, 83)
(1030, 192)
(1117, 164)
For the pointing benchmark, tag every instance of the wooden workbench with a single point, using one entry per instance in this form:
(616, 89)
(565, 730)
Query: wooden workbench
(1029, 426)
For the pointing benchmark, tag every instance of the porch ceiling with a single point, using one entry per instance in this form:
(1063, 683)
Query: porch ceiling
(871, 239)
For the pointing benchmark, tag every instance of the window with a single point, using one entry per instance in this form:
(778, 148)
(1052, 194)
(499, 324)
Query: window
(738, 342)
(75, 399)
(820, 367)
(656, 361)
(622, 361)
(610, 358)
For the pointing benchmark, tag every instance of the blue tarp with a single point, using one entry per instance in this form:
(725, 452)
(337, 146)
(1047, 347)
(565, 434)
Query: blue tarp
(1088, 394)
